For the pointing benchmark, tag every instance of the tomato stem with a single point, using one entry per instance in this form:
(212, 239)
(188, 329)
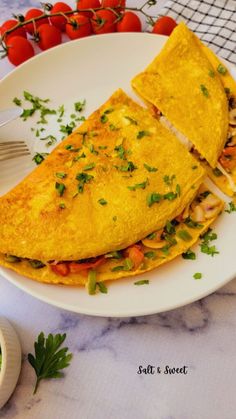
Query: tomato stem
(20, 24)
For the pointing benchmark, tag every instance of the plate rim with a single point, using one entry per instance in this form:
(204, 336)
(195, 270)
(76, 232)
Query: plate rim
(146, 311)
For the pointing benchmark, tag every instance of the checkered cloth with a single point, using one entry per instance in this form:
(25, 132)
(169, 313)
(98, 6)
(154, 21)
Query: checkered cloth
(214, 21)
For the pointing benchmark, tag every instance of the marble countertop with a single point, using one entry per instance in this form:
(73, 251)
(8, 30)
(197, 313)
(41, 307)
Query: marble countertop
(107, 377)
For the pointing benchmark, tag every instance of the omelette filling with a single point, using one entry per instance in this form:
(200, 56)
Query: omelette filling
(205, 207)
(226, 165)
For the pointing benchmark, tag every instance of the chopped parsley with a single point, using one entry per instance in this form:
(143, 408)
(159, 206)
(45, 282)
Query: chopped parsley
(61, 175)
(153, 198)
(151, 236)
(70, 147)
(79, 106)
(68, 128)
(170, 228)
(92, 150)
(211, 73)
(194, 167)
(231, 208)
(138, 185)
(89, 166)
(49, 138)
(83, 178)
(102, 147)
(150, 255)
(60, 187)
(170, 196)
(184, 235)
(17, 101)
(102, 201)
(39, 157)
(189, 255)
(62, 205)
(103, 118)
(221, 69)
(169, 179)
(204, 90)
(129, 167)
(205, 244)
(131, 120)
(191, 223)
(142, 282)
(149, 168)
(197, 275)
(113, 127)
(177, 189)
(114, 255)
(142, 134)
(120, 152)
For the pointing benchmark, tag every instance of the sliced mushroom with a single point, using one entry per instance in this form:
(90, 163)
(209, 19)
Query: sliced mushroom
(232, 117)
(211, 212)
(198, 214)
(152, 244)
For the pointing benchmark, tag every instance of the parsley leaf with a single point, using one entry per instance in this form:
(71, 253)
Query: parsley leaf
(49, 360)
(189, 255)
(149, 168)
(204, 90)
(197, 275)
(231, 208)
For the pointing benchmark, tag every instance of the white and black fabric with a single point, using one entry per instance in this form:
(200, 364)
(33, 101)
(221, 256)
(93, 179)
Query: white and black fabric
(214, 21)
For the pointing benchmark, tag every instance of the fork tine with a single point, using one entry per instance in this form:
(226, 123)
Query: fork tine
(12, 156)
(12, 148)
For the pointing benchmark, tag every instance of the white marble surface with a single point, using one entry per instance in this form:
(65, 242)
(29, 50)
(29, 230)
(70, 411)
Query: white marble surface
(102, 381)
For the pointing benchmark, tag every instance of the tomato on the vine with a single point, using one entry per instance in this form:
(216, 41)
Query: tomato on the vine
(104, 21)
(78, 26)
(31, 14)
(9, 24)
(59, 21)
(49, 36)
(164, 26)
(129, 22)
(19, 49)
(87, 4)
(118, 5)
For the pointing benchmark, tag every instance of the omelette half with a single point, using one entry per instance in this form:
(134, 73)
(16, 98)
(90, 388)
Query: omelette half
(114, 199)
(192, 91)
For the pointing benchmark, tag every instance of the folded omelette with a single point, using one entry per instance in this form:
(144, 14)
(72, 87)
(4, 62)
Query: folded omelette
(114, 199)
(190, 88)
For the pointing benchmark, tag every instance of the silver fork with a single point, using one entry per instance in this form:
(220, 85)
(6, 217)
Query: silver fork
(12, 149)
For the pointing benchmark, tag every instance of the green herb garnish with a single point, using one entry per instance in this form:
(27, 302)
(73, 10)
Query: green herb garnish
(184, 235)
(231, 208)
(60, 187)
(39, 157)
(169, 179)
(131, 120)
(138, 185)
(170, 196)
(79, 106)
(206, 239)
(189, 255)
(204, 90)
(102, 201)
(191, 223)
(91, 283)
(142, 282)
(89, 166)
(211, 73)
(142, 134)
(197, 275)
(36, 264)
(128, 167)
(221, 69)
(149, 168)
(150, 255)
(83, 178)
(48, 360)
(61, 175)
(153, 198)
(114, 255)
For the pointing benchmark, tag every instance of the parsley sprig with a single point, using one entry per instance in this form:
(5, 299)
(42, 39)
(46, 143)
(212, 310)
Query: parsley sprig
(49, 360)
(205, 244)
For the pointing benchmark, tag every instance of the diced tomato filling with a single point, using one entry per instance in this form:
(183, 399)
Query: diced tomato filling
(228, 158)
(135, 254)
(66, 268)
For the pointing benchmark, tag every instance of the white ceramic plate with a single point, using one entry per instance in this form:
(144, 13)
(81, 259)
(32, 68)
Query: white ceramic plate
(93, 68)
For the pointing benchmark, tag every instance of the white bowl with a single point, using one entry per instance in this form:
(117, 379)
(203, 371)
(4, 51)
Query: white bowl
(11, 360)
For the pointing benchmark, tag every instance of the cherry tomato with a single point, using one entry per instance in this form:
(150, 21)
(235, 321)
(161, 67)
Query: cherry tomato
(164, 26)
(19, 49)
(9, 24)
(32, 13)
(49, 36)
(104, 21)
(78, 26)
(60, 269)
(87, 4)
(130, 22)
(59, 21)
(118, 5)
